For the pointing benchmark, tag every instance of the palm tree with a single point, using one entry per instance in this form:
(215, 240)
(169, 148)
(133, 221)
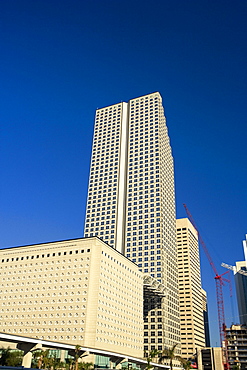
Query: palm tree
(42, 358)
(77, 355)
(151, 355)
(69, 363)
(186, 365)
(56, 363)
(169, 354)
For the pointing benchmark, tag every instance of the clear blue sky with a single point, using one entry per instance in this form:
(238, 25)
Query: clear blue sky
(61, 59)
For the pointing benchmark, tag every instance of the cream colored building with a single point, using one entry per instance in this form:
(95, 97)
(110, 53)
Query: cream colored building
(131, 203)
(210, 358)
(78, 291)
(190, 289)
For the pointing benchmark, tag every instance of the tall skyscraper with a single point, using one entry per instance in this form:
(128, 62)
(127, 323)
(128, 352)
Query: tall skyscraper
(190, 289)
(131, 203)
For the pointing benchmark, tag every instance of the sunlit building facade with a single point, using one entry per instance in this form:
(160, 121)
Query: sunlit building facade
(131, 203)
(192, 302)
(75, 292)
(240, 277)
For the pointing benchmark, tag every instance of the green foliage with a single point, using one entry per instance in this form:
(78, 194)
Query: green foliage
(10, 357)
(151, 355)
(85, 365)
(55, 363)
(75, 364)
(169, 354)
(69, 363)
(77, 355)
(43, 360)
(187, 365)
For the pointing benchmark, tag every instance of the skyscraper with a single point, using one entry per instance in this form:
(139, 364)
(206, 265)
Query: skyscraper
(190, 289)
(131, 202)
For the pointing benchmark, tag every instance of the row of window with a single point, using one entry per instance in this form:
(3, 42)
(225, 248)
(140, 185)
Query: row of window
(157, 247)
(53, 337)
(153, 333)
(108, 119)
(160, 348)
(44, 255)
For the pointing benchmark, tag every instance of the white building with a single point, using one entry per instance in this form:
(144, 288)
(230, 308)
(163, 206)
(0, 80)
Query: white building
(240, 277)
(190, 289)
(75, 292)
(131, 203)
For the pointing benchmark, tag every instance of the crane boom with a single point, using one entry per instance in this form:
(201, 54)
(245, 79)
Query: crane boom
(229, 267)
(234, 269)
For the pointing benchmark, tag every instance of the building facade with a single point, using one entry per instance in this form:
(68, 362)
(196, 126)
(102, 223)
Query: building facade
(240, 278)
(205, 317)
(131, 203)
(74, 292)
(190, 289)
(210, 358)
(237, 346)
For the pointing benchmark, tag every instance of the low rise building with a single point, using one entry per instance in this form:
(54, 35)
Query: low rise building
(210, 358)
(78, 291)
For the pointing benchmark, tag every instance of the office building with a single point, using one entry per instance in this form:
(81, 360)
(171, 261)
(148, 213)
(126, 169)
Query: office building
(190, 289)
(75, 292)
(240, 278)
(205, 317)
(210, 358)
(237, 346)
(131, 203)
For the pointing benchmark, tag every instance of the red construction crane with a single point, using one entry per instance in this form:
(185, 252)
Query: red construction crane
(219, 280)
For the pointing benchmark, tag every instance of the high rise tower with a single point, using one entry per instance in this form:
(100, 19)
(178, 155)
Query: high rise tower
(192, 298)
(131, 202)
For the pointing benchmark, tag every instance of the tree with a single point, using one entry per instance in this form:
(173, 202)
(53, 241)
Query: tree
(69, 363)
(56, 363)
(186, 365)
(77, 355)
(5, 353)
(10, 357)
(42, 358)
(151, 355)
(169, 354)
(85, 365)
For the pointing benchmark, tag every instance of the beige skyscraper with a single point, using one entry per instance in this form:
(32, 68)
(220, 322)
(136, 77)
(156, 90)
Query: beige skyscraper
(190, 289)
(131, 203)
